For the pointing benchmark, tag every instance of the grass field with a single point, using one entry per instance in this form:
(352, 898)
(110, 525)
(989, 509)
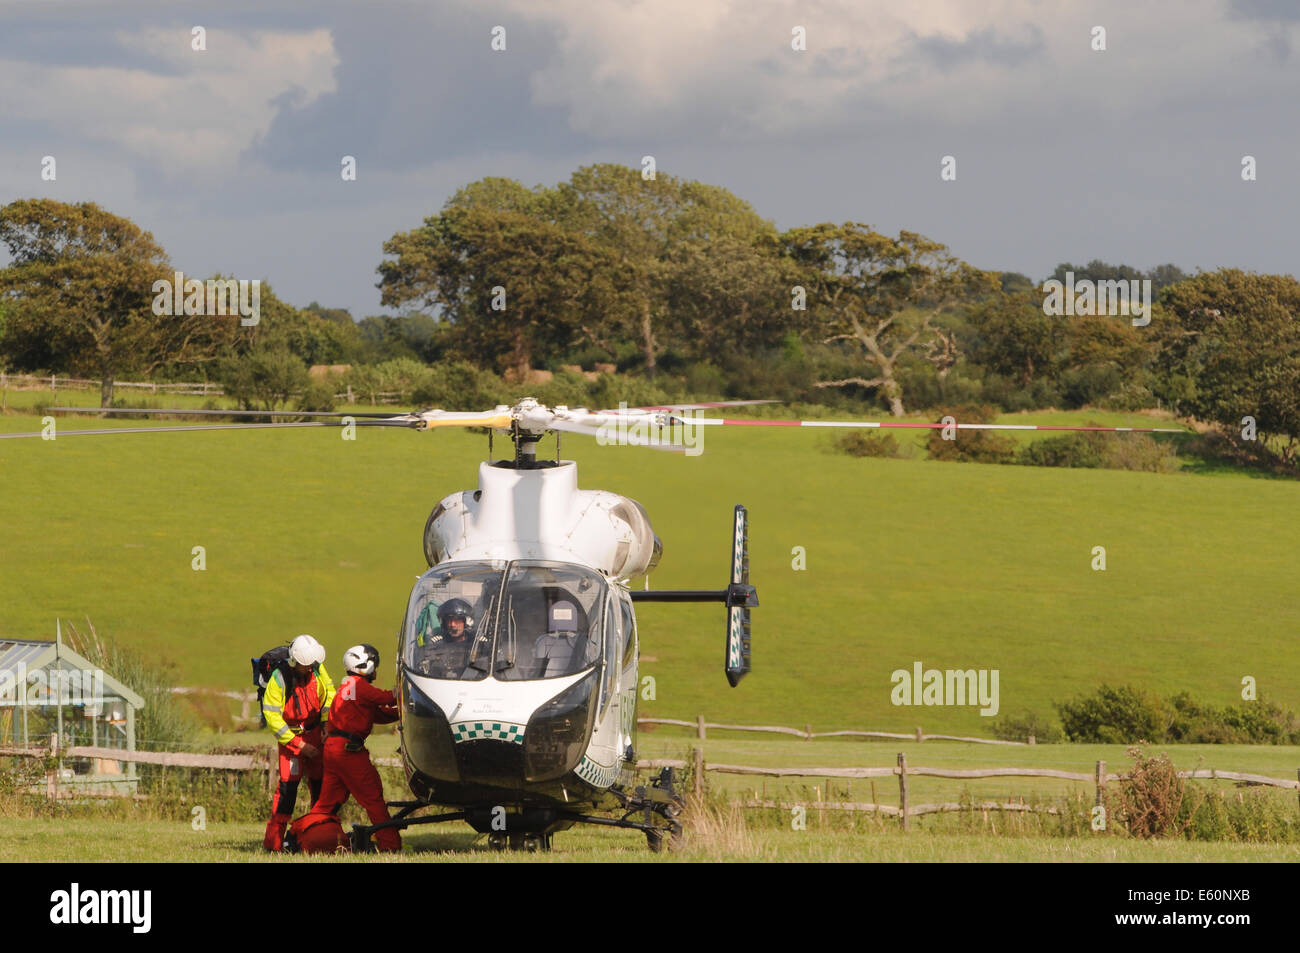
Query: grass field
(953, 565)
(45, 841)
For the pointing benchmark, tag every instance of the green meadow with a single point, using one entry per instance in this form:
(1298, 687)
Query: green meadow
(45, 840)
(954, 565)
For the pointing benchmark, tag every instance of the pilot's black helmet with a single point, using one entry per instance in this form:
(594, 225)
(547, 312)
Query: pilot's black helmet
(455, 609)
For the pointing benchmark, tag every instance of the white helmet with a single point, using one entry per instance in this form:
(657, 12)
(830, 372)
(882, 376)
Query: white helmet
(306, 651)
(362, 660)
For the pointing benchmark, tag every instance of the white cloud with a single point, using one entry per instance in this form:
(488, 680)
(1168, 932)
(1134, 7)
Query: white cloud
(182, 109)
(647, 69)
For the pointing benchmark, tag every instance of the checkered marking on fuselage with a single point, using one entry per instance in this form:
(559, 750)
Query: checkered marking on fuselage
(597, 775)
(497, 730)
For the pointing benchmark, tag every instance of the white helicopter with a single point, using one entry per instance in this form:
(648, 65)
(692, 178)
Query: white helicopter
(517, 655)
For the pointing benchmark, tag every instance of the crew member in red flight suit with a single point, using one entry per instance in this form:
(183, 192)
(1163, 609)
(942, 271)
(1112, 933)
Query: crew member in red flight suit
(357, 707)
(297, 710)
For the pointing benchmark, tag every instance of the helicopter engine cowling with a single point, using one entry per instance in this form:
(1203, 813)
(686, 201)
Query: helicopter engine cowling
(541, 514)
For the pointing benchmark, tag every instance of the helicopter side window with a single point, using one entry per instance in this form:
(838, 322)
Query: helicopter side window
(450, 617)
(549, 622)
(629, 633)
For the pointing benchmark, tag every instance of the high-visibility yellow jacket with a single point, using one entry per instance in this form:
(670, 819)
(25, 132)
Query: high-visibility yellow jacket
(290, 711)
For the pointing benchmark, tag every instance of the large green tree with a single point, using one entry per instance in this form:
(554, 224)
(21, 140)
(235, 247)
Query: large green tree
(1230, 348)
(1013, 337)
(512, 282)
(86, 276)
(882, 296)
(654, 230)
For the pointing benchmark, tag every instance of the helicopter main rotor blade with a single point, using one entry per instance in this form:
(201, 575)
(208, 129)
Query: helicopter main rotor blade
(704, 406)
(500, 420)
(179, 412)
(608, 432)
(904, 425)
(303, 423)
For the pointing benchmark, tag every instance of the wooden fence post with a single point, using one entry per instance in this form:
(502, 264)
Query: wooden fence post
(920, 736)
(699, 727)
(697, 769)
(807, 732)
(1101, 781)
(52, 775)
(902, 789)
(1297, 776)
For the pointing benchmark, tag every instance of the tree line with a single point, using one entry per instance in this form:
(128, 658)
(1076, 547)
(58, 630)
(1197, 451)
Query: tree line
(683, 286)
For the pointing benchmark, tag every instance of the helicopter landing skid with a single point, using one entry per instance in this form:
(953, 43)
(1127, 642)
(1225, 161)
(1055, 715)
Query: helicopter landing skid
(659, 804)
(361, 834)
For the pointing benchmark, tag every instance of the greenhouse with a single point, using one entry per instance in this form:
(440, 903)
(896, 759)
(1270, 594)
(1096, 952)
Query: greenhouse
(52, 697)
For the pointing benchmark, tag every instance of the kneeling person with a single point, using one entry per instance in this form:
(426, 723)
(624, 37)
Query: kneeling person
(357, 707)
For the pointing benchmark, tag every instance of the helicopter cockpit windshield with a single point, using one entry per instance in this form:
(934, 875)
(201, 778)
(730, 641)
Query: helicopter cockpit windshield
(549, 623)
(525, 620)
(449, 621)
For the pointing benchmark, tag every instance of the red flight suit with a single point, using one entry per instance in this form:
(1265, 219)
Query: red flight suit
(357, 707)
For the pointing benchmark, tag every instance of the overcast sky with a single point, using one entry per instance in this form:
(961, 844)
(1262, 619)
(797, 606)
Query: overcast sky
(231, 156)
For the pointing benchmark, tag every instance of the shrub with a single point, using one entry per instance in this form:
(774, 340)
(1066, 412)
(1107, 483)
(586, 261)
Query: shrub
(611, 389)
(865, 443)
(263, 379)
(971, 446)
(1255, 722)
(459, 385)
(564, 389)
(1093, 449)
(318, 396)
(1126, 715)
(1149, 802)
(1070, 450)
(1114, 716)
(1138, 451)
(1020, 727)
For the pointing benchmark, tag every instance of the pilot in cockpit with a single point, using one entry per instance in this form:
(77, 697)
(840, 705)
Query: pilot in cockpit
(444, 651)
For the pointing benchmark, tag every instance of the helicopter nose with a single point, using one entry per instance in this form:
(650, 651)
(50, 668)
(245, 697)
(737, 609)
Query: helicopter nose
(559, 730)
(426, 736)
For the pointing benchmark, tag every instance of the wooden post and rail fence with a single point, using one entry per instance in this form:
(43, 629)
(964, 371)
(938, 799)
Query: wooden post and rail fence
(263, 761)
(906, 809)
(54, 384)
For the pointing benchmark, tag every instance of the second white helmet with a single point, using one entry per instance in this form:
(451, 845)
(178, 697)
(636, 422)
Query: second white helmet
(362, 660)
(306, 651)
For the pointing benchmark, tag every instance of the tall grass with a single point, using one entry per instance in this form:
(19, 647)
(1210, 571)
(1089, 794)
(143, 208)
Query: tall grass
(163, 724)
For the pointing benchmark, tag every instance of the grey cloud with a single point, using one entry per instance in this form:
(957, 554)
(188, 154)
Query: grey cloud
(1265, 9)
(986, 45)
(418, 86)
